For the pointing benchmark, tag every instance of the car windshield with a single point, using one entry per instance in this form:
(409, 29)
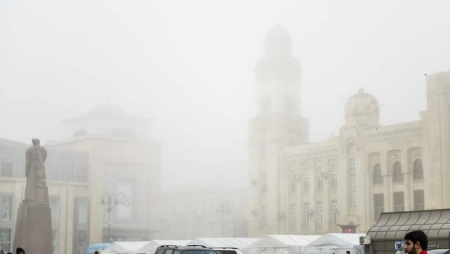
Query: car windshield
(199, 252)
(226, 251)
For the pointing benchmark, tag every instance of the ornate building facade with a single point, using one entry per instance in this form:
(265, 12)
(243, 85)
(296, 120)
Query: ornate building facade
(344, 183)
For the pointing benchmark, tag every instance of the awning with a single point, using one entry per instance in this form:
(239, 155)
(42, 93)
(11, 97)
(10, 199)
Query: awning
(393, 226)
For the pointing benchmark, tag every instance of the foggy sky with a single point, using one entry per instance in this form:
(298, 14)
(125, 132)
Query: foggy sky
(189, 66)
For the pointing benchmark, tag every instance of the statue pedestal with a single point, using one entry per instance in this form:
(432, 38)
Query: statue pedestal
(33, 229)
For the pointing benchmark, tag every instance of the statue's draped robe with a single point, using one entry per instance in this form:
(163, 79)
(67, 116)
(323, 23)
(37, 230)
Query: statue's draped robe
(34, 224)
(36, 189)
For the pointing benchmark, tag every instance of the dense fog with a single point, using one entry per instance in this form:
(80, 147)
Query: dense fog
(189, 66)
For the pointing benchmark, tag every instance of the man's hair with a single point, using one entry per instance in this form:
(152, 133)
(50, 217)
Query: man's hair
(418, 236)
(20, 250)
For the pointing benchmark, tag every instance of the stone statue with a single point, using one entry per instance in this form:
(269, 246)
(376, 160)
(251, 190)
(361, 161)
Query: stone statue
(36, 190)
(34, 225)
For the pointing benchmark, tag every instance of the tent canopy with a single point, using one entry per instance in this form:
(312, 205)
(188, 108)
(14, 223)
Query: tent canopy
(284, 241)
(240, 243)
(151, 246)
(123, 247)
(336, 240)
(281, 244)
(336, 243)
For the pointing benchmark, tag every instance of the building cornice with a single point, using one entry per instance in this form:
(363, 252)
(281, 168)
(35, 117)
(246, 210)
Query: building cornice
(410, 130)
(97, 137)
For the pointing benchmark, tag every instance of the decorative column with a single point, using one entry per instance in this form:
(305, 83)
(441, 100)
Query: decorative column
(387, 182)
(407, 178)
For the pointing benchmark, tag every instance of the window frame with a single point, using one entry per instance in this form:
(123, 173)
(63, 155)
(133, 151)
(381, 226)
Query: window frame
(397, 174)
(13, 171)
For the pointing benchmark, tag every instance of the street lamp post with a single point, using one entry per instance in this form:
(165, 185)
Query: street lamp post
(112, 200)
(222, 210)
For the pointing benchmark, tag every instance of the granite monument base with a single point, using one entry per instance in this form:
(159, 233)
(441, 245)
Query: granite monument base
(33, 229)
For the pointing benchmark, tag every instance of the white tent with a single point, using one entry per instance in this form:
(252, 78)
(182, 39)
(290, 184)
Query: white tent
(151, 246)
(123, 247)
(281, 244)
(240, 243)
(334, 243)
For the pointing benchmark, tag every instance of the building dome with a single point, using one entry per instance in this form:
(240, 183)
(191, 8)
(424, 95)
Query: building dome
(278, 41)
(362, 109)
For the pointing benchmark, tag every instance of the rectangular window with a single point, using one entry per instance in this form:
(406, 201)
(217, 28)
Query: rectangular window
(67, 173)
(293, 186)
(319, 216)
(52, 171)
(334, 211)
(419, 200)
(352, 180)
(319, 184)
(5, 207)
(333, 177)
(80, 224)
(353, 187)
(264, 183)
(82, 205)
(7, 168)
(293, 215)
(264, 214)
(351, 164)
(305, 180)
(378, 205)
(80, 173)
(5, 239)
(399, 201)
(305, 214)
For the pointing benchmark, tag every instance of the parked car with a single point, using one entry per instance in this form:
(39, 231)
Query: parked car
(97, 246)
(189, 249)
(439, 251)
(228, 250)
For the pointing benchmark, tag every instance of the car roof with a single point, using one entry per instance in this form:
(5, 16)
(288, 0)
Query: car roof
(439, 251)
(189, 247)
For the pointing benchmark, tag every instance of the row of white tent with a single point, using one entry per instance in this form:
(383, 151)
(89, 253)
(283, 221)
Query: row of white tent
(332, 243)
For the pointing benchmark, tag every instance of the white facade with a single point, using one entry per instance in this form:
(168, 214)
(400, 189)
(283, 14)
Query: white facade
(342, 184)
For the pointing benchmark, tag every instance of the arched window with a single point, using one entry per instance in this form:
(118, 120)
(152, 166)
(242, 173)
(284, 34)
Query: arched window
(377, 177)
(319, 177)
(397, 175)
(293, 181)
(305, 180)
(333, 177)
(351, 174)
(418, 170)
